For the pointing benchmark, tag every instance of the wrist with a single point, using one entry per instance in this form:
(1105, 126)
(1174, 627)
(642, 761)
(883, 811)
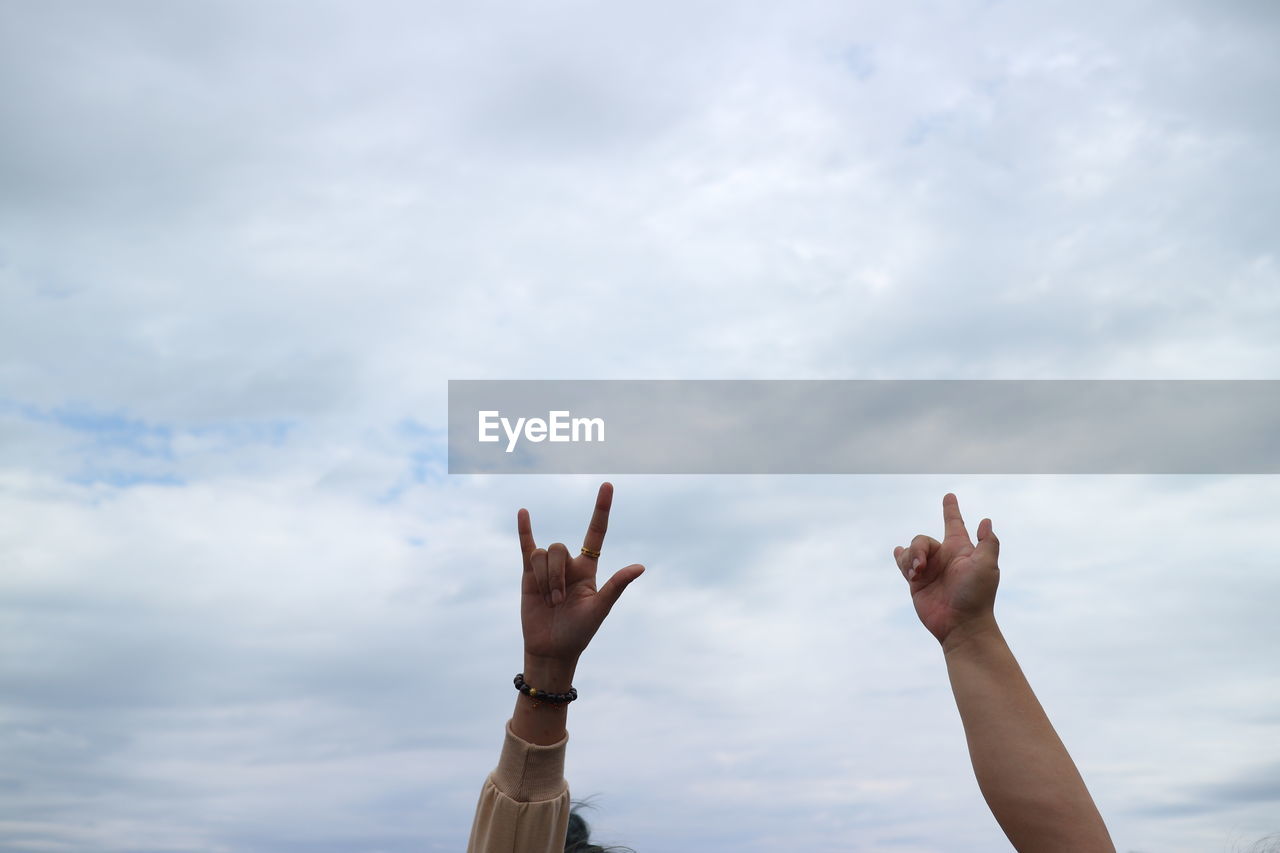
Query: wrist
(554, 675)
(978, 630)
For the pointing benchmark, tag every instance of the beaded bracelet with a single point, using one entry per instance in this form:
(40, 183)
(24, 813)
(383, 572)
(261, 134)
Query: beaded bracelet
(543, 696)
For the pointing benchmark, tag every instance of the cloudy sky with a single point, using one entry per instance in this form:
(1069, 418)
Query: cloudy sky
(243, 247)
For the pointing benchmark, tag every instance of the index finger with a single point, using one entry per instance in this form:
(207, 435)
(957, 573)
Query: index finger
(594, 539)
(954, 523)
(525, 529)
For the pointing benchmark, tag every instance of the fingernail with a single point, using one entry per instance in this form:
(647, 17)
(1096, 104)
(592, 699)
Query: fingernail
(911, 574)
(556, 597)
(915, 564)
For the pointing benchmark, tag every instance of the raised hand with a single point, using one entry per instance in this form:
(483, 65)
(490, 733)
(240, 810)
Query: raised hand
(560, 607)
(953, 583)
(1033, 787)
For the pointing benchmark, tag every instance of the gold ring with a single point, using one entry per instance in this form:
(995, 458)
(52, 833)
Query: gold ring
(595, 555)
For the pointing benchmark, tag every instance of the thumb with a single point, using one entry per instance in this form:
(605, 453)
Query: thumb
(622, 578)
(988, 544)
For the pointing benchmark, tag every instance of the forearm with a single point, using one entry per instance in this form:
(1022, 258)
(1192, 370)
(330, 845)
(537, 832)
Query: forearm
(1025, 773)
(543, 723)
(524, 804)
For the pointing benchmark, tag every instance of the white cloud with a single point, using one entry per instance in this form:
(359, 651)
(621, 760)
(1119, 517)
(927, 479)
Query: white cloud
(241, 251)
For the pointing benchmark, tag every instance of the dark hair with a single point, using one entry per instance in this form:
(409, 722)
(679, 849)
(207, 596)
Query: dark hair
(1269, 844)
(578, 838)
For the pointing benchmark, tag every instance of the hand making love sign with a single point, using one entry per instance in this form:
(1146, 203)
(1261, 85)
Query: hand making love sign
(560, 607)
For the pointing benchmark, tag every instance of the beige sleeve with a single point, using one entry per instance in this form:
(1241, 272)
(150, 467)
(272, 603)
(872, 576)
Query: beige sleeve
(524, 805)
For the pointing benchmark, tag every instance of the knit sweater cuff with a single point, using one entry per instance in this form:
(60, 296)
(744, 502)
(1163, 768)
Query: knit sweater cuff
(528, 772)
